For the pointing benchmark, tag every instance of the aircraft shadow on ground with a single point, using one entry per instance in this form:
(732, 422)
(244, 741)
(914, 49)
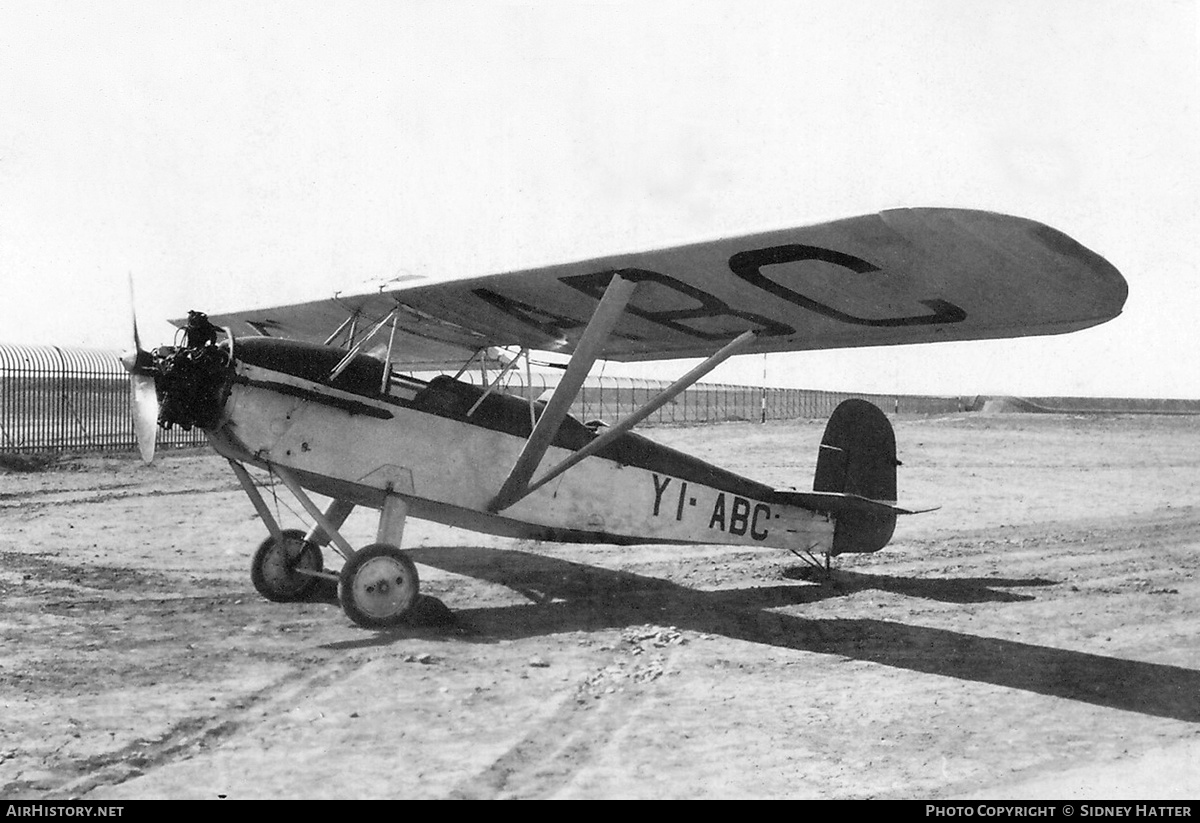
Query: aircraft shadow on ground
(569, 596)
(952, 590)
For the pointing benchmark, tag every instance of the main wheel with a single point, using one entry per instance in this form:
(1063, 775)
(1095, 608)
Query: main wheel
(378, 586)
(273, 570)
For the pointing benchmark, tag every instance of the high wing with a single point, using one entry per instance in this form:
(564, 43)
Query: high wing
(896, 277)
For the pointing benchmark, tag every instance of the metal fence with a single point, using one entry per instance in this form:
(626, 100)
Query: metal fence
(56, 399)
(611, 398)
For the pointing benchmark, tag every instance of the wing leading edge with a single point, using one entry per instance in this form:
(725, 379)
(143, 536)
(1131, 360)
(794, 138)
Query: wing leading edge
(897, 277)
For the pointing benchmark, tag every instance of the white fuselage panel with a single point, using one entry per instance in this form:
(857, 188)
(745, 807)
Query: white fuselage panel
(458, 467)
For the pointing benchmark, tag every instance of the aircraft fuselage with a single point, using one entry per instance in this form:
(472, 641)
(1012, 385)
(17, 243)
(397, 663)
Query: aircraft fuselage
(446, 451)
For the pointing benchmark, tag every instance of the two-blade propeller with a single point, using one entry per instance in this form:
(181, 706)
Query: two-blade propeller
(140, 365)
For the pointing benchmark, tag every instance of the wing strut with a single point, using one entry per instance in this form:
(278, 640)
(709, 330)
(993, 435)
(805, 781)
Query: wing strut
(509, 366)
(608, 312)
(660, 400)
(340, 329)
(350, 355)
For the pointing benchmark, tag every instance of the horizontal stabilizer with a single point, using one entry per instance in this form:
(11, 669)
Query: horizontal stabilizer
(840, 504)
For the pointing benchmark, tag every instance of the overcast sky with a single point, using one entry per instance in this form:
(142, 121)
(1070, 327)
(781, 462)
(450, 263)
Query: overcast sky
(233, 155)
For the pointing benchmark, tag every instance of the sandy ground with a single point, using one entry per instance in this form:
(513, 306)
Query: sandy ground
(1035, 637)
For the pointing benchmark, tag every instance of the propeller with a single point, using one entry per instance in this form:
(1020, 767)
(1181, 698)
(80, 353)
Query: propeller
(140, 365)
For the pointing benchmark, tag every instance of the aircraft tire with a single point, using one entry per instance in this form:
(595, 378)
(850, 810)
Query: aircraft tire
(273, 569)
(378, 587)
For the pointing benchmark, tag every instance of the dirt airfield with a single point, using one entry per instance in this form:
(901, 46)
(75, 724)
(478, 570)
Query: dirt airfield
(1034, 637)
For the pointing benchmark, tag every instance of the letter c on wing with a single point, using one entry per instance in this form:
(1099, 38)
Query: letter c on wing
(748, 266)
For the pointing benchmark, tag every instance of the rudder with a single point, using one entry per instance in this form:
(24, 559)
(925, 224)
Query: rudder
(858, 457)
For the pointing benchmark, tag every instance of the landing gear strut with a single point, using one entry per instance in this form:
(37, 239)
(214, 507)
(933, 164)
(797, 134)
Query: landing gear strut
(378, 585)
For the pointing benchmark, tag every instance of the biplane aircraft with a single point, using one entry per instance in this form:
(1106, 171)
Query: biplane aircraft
(318, 395)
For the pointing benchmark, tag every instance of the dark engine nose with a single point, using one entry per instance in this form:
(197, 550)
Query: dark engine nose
(193, 384)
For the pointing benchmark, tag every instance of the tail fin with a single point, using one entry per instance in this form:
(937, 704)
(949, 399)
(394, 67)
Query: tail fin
(858, 457)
